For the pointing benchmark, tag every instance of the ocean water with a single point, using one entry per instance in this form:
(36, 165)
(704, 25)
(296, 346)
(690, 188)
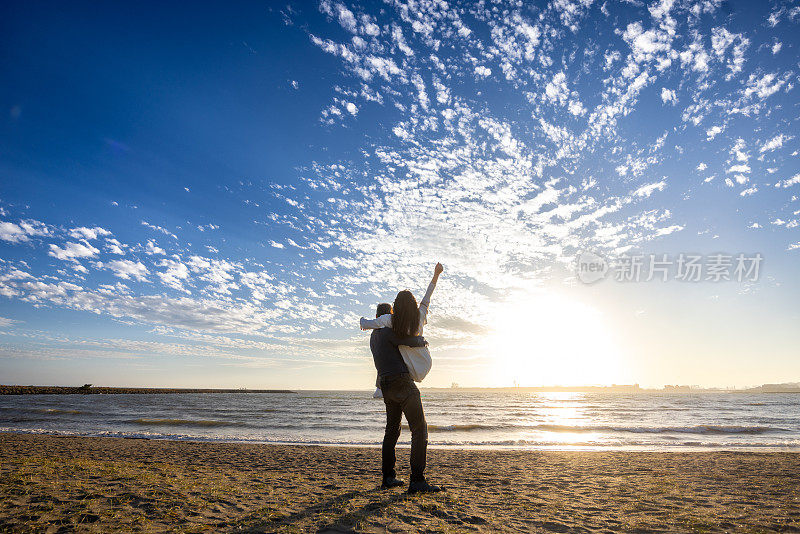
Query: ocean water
(456, 418)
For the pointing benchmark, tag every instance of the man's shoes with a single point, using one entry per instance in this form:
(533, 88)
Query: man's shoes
(391, 482)
(422, 486)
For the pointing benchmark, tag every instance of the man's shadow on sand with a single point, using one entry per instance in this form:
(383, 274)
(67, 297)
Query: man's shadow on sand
(345, 522)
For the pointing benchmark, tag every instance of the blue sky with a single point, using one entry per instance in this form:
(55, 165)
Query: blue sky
(213, 197)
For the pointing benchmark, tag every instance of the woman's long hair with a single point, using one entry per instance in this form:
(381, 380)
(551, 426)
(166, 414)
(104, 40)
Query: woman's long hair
(405, 318)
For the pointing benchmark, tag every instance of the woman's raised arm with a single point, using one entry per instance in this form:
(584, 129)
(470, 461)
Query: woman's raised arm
(426, 300)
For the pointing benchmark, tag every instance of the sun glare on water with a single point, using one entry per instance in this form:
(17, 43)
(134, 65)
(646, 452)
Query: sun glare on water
(548, 339)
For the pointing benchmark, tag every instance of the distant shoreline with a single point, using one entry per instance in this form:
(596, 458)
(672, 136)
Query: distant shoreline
(618, 389)
(100, 390)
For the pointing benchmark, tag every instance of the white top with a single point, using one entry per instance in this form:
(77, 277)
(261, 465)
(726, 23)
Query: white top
(417, 359)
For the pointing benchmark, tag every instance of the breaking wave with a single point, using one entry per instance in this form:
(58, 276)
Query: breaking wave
(207, 423)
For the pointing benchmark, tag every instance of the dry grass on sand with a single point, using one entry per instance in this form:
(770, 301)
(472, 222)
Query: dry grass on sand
(66, 484)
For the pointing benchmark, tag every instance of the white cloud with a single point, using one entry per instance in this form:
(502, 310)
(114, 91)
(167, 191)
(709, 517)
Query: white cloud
(694, 55)
(400, 41)
(721, 40)
(483, 71)
(126, 269)
(738, 150)
(159, 229)
(114, 247)
(12, 232)
(70, 251)
(343, 15)
(739, 168)
(23, 231)
(386, 68)
(764, 86)
(668, 96)
(218, 273)
(556, 89)
(5, 322)
(749, 191)
(89, 234)
(571, 11)
(669, 230)
(369, 27)
(647, 190)
(192, 314)
(557, 92)
(576, 108)
(712, 132)
(151, 248)
(359, 43)
(35, 228)
(794, 180)
(775, 143)
(175, 275)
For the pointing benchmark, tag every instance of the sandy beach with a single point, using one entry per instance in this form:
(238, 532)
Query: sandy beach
(58, 484)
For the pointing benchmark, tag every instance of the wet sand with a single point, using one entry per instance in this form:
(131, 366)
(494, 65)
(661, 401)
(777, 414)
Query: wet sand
(66, 484)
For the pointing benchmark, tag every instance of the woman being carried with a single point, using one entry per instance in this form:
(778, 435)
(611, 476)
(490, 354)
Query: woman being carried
(409, 318)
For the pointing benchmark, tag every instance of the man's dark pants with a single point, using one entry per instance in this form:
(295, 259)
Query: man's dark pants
(401, 396)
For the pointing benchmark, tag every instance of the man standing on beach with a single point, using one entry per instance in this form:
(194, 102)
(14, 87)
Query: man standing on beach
(401, 396)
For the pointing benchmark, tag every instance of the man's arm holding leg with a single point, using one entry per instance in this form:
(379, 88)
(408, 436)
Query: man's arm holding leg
(413, 341)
